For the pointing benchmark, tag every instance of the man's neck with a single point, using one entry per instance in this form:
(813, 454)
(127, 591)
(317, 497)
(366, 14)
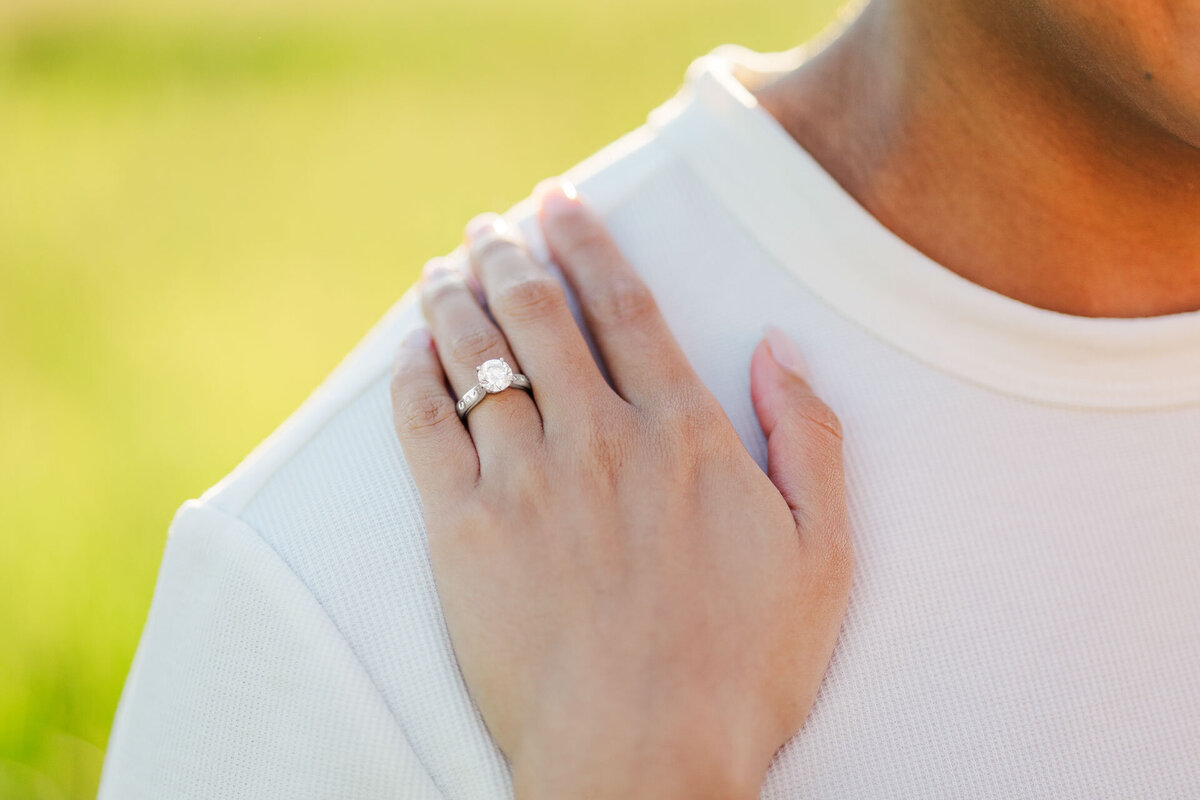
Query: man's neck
(1000, 167)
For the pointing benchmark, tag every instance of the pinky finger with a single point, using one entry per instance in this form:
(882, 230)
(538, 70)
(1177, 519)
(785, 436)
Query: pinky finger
(436, 444)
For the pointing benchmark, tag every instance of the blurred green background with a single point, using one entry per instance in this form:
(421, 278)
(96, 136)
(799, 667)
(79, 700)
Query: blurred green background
(203, 205)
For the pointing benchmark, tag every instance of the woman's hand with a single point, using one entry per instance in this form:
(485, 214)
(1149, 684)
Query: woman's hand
(637, 609)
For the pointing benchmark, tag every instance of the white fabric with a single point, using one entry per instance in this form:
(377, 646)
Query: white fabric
(1024, 490)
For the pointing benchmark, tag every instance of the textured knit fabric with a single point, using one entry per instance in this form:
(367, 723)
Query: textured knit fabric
(1024, 491)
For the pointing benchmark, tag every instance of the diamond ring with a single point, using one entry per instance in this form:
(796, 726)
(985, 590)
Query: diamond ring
(495, 375)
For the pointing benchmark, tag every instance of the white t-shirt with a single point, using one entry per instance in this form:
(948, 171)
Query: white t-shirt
(1024, 490)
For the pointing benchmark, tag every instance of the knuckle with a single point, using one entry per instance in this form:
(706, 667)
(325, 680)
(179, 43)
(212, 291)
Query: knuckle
(676, 441)
(421, 411)
(606, 446)
(475, 345)
(692, 420)
(625, 303)
(476, 514)
(507, 503)
(530, 297)
(606, 454)
(701, 413)
(457, 531)
(815, 412)
(528, 486)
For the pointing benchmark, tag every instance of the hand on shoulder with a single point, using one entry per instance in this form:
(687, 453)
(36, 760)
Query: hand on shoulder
(638, 610)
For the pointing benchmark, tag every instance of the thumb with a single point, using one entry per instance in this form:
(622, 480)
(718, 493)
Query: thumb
(804, 442)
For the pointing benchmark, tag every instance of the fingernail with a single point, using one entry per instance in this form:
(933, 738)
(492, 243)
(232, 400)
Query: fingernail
(555, 196)
(436, 268)
(784, 351)
(487, 224)
(417, 339)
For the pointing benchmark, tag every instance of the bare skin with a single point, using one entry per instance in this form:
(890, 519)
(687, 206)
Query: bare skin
(638, 610)
(1046, 149)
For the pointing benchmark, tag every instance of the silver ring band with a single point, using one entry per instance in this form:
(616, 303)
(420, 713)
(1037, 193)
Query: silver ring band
(495, 375)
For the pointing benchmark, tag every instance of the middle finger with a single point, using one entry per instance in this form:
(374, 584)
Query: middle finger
(531, 308)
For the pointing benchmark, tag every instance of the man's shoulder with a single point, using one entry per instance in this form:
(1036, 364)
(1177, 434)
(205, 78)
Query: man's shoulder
(330, 494)
(607, 179)
(640, 183)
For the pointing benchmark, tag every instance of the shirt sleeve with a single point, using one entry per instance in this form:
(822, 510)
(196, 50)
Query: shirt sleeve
(242, 686)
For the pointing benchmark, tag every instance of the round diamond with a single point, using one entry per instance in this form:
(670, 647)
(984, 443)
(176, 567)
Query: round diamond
(495, 375)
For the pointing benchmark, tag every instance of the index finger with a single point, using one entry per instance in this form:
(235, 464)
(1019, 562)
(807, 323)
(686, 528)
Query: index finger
(643, 358)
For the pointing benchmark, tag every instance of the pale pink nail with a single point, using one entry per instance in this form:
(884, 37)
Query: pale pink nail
(784, 351)
(487, 224)
(436, 268)
(418, 339)
(556, 196)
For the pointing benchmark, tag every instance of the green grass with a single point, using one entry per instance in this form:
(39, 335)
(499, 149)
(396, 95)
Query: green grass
(203, 205)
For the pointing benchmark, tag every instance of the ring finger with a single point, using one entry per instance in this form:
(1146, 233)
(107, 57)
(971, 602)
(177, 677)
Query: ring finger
(466, 337)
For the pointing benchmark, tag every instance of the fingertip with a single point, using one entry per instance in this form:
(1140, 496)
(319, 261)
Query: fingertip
(765, 368)
(780, 390)
(760, 364)
(784, 351)
(555, 197)
(481, 224)
(436, 267)
(766, 385)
